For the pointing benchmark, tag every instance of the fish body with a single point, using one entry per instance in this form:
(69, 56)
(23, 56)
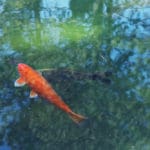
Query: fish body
(40, 86)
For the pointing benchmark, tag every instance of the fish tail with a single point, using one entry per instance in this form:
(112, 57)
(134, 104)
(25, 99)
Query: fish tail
(77, 118)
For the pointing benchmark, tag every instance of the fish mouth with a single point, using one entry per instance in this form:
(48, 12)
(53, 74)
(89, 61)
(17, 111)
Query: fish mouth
(21, 66)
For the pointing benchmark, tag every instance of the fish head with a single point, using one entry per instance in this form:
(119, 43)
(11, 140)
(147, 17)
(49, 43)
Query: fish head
(23, 69)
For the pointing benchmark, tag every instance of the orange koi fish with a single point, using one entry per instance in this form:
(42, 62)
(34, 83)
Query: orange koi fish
(41, 87)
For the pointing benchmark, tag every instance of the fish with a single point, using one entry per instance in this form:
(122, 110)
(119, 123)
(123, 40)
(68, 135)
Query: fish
(40, 87)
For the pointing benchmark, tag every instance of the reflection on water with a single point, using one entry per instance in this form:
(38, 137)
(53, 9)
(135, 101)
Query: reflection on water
(58, 10)
(77, 38)
(138, 25)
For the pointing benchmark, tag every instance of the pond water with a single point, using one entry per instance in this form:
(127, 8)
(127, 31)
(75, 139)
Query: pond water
(96, 56)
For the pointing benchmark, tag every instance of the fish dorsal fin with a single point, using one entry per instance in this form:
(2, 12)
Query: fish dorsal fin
(19, 82)
(39, 71)
(33, 94)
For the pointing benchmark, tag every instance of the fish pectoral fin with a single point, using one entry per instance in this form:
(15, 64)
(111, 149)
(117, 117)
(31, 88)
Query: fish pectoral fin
(33, 94)
(19, 82)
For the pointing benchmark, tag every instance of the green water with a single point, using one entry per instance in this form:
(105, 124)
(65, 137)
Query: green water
(96, 55)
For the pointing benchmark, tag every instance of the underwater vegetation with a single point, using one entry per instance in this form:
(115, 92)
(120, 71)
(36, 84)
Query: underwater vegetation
(96, 56)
